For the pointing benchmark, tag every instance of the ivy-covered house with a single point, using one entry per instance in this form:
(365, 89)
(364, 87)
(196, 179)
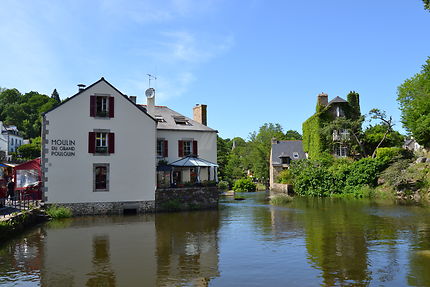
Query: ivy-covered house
(329, 130)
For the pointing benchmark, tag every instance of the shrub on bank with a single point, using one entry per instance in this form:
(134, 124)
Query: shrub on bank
(244, 185)
(223, 185)
(280, 199)
(57, 212)
(339, 177)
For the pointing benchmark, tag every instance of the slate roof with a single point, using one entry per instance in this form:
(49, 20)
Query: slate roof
(190, 161)
(166, 120)
(287, 148)
(337, 100)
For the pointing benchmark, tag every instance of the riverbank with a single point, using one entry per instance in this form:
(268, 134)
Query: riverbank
(16, 223)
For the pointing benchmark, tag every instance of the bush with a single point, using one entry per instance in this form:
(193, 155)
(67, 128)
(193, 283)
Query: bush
(391, 154)
(59, 212)
(280, 199)
(244, 185)
(285, 177)
(223, 185)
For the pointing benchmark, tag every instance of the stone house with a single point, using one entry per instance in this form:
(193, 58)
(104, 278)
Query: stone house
(282, 153)
(338, 142)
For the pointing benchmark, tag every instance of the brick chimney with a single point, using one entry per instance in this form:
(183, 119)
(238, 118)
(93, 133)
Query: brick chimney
(323, 99)
(200, 114)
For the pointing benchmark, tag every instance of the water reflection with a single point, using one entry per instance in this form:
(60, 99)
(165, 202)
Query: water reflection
(308, 242)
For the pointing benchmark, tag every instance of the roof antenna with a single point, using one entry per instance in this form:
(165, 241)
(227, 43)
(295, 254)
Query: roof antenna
(149, 79)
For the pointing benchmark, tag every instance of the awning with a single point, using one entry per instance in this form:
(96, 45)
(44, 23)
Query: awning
(190, 161)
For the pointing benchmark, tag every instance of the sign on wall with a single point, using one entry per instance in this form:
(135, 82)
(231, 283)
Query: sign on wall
(62, 147)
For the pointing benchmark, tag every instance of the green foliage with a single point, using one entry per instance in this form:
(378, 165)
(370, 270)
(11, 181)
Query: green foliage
(284, 177)
(391, 154)
(244, 185)
(414, 100)
(30, 151)
(340, 176)
(57, 212)
(56, 96)
(223, 185)
(313, 142)
(260, 145)
(280, 199)
(353, 99)
(293, 135)
(373, 135)
(426, 4)
(24, 110)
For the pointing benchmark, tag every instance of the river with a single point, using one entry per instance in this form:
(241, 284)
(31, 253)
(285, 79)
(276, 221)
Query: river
(308, 242)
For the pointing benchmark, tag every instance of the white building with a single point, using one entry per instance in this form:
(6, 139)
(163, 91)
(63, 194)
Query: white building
(10, 139)
(98, 153)
(188, 146)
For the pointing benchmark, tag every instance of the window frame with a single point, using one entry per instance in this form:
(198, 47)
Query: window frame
(184, 147)
(102, 149)
(95, 167)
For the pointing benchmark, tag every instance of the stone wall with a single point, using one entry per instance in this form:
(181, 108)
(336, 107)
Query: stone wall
(281, 188)
(192, 198)
(108, 208)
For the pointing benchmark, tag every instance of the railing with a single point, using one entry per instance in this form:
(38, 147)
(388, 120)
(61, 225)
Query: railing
(17, 203)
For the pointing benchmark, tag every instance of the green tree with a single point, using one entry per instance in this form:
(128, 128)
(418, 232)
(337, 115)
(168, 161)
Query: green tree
(30, 151)
(426, 4)
(373, 135)
(223, 152)
(260, 145)
(414, 100)
(55, 96)
(293, 135)
(237, 162)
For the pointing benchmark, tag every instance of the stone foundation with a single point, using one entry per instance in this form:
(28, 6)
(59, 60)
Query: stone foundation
(192, 198)
(109, 208)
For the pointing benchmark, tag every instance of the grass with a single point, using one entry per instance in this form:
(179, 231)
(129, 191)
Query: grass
(261, 186)
(57, 212)
(280, 199)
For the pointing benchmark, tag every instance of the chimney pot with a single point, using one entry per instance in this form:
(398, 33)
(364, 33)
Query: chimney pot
(81, 87)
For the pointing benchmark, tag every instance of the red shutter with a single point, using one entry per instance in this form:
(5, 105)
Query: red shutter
(111, 106)
(91, 142)
(166, 149)
(92, 106)
(195, 151)
(111, 143)
(180, 148)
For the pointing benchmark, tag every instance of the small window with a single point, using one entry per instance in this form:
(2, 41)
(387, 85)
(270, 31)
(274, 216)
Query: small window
(101, 106)
(286, 160)
(101, 177)
(101, 142)
(160, 148)
(159, 119)
(187, 148)
(295, 155)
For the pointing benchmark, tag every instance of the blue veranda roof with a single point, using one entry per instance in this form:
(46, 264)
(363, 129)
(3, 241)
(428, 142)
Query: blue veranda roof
(190, 161)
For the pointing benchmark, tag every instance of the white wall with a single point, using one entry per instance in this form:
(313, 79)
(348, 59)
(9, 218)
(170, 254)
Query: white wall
(132, 166)
(207, 145)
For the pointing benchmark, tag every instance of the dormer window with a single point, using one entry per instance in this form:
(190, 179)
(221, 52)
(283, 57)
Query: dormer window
(181, 120)
(159, 119)
(285, 160)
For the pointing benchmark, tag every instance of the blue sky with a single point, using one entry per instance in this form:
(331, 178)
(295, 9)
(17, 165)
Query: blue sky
(251, 62)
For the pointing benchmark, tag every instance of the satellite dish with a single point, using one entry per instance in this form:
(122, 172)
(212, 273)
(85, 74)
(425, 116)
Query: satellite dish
(150, 93)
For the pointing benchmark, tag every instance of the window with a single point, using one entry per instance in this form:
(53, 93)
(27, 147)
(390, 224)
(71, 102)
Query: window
(181, 120)
(286, 160)
(101, 176)
(101, 142)
(159, 119)
(187, 148)
(341, 151)
(102, 106)
(295, 155)
(162, 148)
